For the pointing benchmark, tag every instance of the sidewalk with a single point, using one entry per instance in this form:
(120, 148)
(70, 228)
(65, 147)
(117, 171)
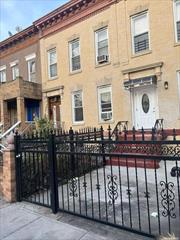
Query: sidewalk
(24, 221)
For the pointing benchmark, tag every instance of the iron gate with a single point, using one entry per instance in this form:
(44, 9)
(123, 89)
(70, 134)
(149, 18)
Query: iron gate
(131, 183)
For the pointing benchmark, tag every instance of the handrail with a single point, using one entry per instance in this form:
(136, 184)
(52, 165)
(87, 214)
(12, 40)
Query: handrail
(120, 126)
(159, 124)
(10, 129)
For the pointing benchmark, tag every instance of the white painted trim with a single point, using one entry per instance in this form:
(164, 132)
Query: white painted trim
(14, 63)
(132, 30)
(30, 57)
(29, 74)
(2, 67)
(73, 107)
(175, 21)
(103, 89)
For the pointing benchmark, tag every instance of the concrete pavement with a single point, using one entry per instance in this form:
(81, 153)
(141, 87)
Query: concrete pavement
(25, 221)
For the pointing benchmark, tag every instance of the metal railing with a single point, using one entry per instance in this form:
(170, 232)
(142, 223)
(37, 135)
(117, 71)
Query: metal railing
(123, 183)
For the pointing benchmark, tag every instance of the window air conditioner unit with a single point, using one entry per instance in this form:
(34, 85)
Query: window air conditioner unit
(102, 58)
(106, 116)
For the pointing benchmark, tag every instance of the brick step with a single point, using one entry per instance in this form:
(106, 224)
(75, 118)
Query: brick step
(130, 162)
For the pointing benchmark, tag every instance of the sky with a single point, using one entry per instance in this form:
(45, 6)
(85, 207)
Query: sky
(22, 13)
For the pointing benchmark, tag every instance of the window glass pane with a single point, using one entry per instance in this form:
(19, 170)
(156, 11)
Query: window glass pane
(2, 76)
(53, 70)
(178, 31)
(75, 48)
(140, 24)
(32, 66)
(177, 11)
(52, 57)
(78, 114)
(141, 42)
(76, 63)
(78, 100)
(102, 35)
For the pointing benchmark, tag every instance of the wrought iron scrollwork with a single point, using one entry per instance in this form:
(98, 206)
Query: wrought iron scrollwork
(73, 187)
(112, 188)
(168, 199)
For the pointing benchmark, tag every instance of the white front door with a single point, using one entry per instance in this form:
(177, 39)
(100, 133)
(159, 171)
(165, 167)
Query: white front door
(144, 107)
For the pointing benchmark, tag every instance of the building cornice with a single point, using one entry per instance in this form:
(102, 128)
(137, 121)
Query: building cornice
(62, 17)
(18, 38)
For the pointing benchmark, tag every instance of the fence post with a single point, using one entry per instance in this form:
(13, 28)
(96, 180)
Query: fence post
(103, 150)
(72, 160)
(53, 173)
(17, 138)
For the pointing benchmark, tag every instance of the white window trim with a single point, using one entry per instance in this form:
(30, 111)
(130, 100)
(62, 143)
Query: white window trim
(30, 57)
(49, 75)
(70, 55)
(175, 25)
(100, 90)
(14, 63)
(178, 80)
(96, 44)
(132, 32)
(73, 107)
(29, 75)
(2, 67)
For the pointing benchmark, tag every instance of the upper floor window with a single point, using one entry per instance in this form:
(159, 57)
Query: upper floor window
(77, 104)
(31, 65)
(74, 48)
(52, 63)
(101, 41)
(2, 74)
(177, 19)
(105, 103)
(15, 71)
(32, 70)
(140, 32)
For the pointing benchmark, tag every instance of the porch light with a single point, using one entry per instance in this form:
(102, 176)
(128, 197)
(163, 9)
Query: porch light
(166, 85)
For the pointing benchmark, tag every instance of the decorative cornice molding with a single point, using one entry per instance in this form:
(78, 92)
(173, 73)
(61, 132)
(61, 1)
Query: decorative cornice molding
(62, 17)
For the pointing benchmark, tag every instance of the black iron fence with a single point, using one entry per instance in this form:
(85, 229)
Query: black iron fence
(131, 181)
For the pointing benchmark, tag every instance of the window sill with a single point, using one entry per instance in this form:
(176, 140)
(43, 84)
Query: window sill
(75, 72)
(102, 65)
(78, 123)
(176, 44)
(106, 122)
(141, 53)
(53, 78)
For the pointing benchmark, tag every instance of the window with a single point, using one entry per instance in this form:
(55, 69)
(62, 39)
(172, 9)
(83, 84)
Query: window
(15, 72)
(101, 38)
(74, 48)
(177, 19)
(52, 63)
(2, 75)
(32, 70)
(105, 103)
(77, 104)
(140, 33)
(178, 78)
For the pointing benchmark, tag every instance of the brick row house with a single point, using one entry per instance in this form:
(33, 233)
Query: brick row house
(98, 62)
(20, 77)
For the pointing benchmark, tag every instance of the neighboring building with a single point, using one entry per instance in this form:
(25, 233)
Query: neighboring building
(20, 78)
(107, 61)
